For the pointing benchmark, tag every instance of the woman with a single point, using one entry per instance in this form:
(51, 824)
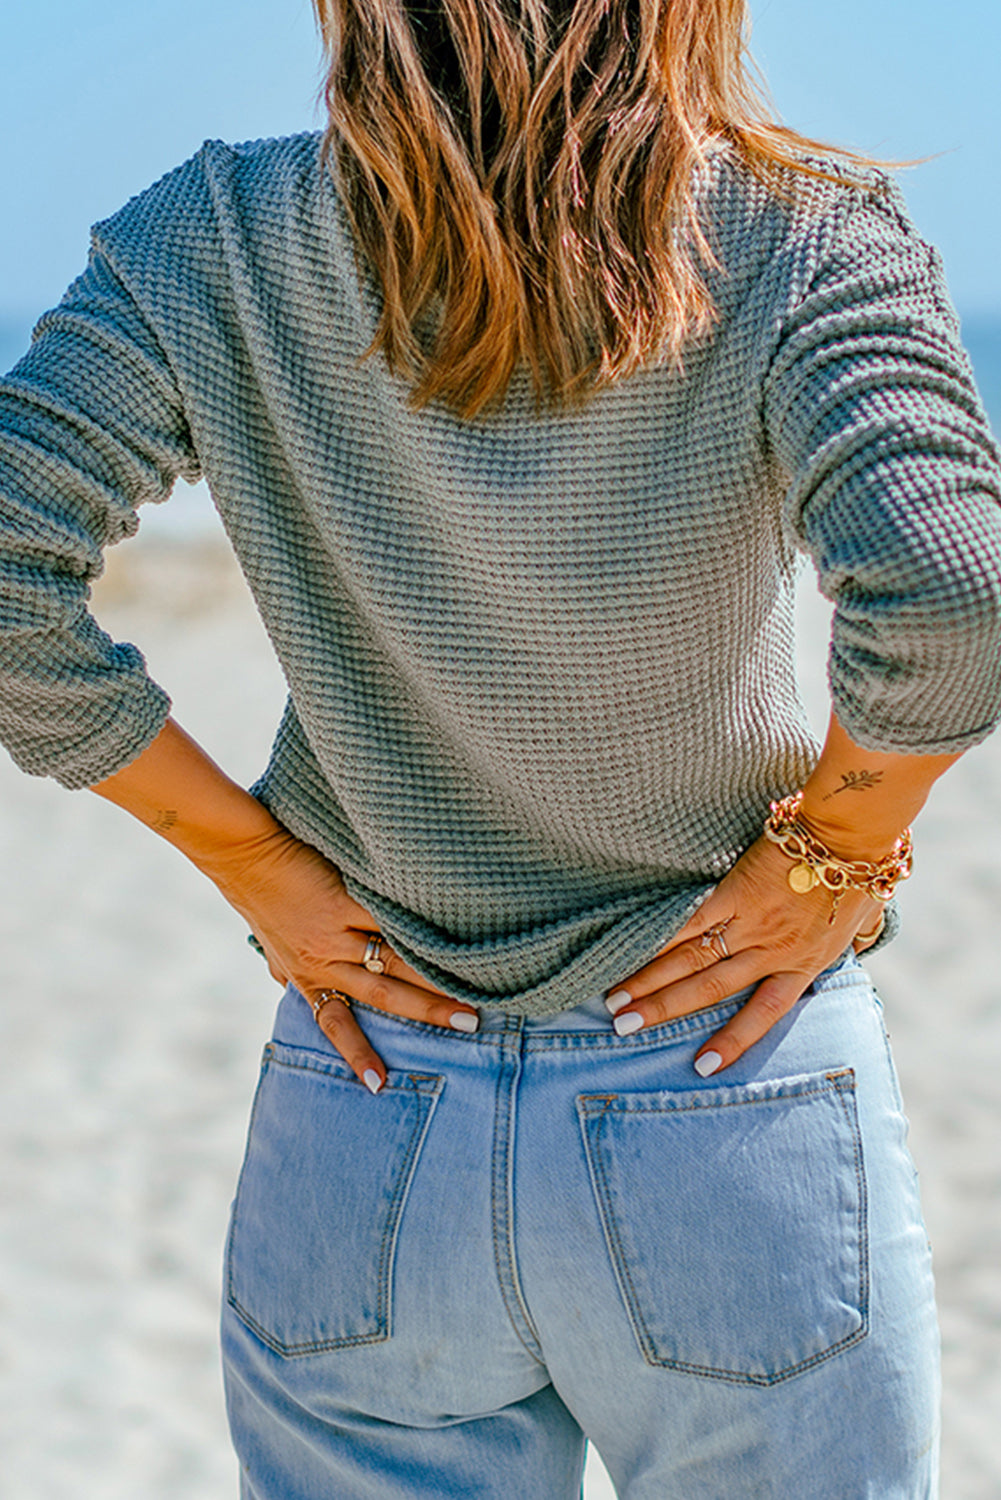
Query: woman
(517, 395)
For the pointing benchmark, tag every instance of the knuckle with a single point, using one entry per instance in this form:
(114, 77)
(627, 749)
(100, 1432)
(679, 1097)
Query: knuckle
(333, 1017)
(771, 1004)
(379, 994)
(715, 989)
(333, 1029)
(697, 958)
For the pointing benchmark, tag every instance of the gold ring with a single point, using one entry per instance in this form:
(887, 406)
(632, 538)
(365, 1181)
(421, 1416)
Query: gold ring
(715, 935)
(372, 960)
(324, 997)
(868, 938)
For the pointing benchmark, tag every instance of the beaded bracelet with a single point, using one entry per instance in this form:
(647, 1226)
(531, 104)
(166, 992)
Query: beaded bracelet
(814, 864)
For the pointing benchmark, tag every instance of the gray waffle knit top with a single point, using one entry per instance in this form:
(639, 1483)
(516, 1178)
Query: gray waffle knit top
(540, 668)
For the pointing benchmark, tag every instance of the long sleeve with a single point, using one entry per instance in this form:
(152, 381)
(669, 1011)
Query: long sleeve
(91, 426)
(893, 484)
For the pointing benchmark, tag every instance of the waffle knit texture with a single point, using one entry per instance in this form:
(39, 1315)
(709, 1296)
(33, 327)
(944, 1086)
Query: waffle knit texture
(540, 667)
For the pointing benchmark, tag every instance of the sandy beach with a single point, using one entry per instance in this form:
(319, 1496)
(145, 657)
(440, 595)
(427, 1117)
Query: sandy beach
(134, 1018)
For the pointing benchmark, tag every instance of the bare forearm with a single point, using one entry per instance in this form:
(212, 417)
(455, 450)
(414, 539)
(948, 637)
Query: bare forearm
(312, 933)
(859, 801)
(180, 793)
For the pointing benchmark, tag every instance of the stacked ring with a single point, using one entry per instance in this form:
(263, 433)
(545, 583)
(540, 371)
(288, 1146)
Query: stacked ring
(373, 961)
(324, 997)
(714, 935)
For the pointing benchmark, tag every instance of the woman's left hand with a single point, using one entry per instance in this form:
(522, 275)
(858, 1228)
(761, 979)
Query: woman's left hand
(752, 930)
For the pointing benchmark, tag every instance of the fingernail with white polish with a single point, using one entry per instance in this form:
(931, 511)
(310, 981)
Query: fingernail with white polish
(463, 1020)
(626, 1025)
(707, 1064)
(617, 1000)
(372, 1080)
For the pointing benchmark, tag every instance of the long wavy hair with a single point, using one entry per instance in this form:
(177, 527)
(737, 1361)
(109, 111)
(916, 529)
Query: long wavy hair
(520, 176)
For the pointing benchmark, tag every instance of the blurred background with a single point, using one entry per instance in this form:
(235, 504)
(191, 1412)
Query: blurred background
(133, 1011)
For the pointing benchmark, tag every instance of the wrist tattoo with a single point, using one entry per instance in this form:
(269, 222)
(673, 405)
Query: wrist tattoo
(855, 781)
(165, 819)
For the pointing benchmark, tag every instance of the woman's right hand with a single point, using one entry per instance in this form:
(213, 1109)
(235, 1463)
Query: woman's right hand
(314, 936)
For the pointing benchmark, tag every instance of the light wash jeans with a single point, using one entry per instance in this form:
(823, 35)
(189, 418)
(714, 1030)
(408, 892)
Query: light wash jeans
(546, 1231)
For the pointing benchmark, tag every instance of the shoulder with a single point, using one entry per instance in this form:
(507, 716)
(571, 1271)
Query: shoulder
(797, 198)
(796, 229)
(223, 190)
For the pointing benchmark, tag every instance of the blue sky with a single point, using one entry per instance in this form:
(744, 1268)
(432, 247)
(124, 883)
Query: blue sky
(97, 99)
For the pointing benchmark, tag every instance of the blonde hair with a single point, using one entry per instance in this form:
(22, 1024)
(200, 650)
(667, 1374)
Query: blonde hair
(519, 175)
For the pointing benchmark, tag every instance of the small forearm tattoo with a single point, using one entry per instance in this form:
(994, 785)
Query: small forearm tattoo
(165, 819)
(855, 781)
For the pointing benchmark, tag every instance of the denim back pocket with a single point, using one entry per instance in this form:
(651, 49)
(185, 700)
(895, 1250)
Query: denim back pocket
(736, 1222)
(309, 1261)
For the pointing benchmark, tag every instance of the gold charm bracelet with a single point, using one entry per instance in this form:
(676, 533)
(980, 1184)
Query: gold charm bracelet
(814, 864)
